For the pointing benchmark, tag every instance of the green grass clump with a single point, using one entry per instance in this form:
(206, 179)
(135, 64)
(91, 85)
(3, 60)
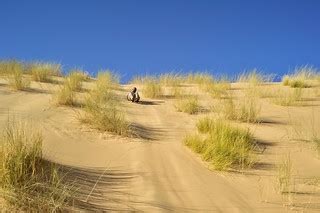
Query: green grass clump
(187, 104)
(12, 71)
(205, 124)
(288, 98)
(43, 72)
(152, 88)
(27, 181)
(223, 146)
(102, 108)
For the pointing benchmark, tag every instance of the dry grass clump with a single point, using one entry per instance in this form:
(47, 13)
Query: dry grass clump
(288, 97)
(151, 88)
(102, 108)
(254, 77)
(106, 79)
(170, 79)
(222, 145)
(284, 178)
(12, 71)
(218, 89)
(75, 79)
(28, 182)
(188, 104)
(245, 109)
(201, 78)
(43, 72)
(65, 95)
(302, 77)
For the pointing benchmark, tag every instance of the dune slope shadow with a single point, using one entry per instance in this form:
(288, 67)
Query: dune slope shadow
(98, 189)
(148, 133)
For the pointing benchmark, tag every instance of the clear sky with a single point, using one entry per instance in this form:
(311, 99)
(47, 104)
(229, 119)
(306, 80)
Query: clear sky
(148, 36)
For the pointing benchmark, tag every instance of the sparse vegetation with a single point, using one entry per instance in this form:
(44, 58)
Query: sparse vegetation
(106, 79)
(151, 88)
(301, 78)
(254, 77)
(12, 71)
(43, 72)
(28, 182)
(218, 89)
(201, 78)
(66, 94)
(222, 145)
(170, 79)
(187, 104)
(246, 109)
(75, 79)
(102, 107)
(285, 175)
(288, 97)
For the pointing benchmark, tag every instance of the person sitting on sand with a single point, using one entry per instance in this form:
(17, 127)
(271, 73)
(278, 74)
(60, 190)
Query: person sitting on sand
(133, 95)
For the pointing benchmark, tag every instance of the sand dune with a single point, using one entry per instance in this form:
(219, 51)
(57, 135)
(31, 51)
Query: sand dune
(155, 172)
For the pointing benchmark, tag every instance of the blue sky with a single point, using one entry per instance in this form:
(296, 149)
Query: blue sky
(137, 37)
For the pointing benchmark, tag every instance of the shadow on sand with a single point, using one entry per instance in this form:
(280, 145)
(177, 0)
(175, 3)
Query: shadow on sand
(105, 189)
(150, 102)
(147, 133)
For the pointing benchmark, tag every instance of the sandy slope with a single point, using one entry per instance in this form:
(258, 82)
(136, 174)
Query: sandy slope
(155, 172)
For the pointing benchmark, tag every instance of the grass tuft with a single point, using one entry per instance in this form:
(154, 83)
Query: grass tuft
(246, 109)
(28, 182)
(102, 107)
(288, 98)
(302, 77)
(254, 77)
(12, 71)
(284, 177)
(65, 95)
(75, 78)
(151, 88)
(223, 146)
(187, 104)
(43, 72)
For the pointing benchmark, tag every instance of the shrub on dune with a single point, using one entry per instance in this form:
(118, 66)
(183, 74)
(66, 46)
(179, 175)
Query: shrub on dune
(106, 79)
(246, 109)
(254, 77)
(187, 104)
(65, 95)
(27, 181)
(218, 89)
(12, 71)
(75, 78)
(222, 145)
(201, 78)
(288, 98)
(43, 72)
(170, 79)
(302, 77)
(102, 108)
(151, 88)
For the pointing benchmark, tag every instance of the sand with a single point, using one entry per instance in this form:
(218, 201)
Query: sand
(155, 172)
